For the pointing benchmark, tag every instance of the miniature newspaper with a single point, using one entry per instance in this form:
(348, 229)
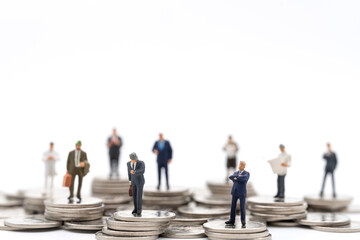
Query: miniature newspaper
(276, 165)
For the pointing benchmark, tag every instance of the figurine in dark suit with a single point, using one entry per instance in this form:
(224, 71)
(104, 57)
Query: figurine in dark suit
(331, 162)
(77, 164)
(114, 144)
(238, 192)
(136, 170)
(163, 150)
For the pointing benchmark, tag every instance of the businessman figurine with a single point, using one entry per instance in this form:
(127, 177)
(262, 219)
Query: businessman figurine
(331, 162)
(163, 150)
(240, 179)
(114, 144)
(77, 164)
(136, 170)
(286, 162)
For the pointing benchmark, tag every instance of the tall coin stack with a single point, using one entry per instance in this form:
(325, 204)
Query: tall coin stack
(124, 225)
(325, 203)
(278, 211)
(172, 198)
(64, 210)
(224, 189)
(217, 230)
(113, 192)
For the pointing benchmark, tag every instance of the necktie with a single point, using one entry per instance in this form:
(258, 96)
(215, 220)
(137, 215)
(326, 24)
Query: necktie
(77, 159)
(133, 166)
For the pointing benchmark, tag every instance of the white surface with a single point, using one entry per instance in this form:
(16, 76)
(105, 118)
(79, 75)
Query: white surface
(267, 72)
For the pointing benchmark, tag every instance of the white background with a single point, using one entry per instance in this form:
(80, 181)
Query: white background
(267, 72)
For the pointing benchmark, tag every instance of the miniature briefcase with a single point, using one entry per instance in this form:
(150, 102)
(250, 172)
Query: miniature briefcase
(130, 191)
(67, 180)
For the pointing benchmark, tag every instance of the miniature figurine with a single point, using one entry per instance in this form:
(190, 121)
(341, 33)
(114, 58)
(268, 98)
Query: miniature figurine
(114, 144)
(163, 150)
(50, 158)
(136, 170)
(231, 149)
(238, 192)
(77, 164)
(331, 162)
(285, 160)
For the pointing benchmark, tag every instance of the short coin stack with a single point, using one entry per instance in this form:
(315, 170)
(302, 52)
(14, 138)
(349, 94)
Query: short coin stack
(330, 222)
(184, 232)
(30, 223)
(218, 230)
(174, 197)
(279, 211)
(224, 189)
(318, 203)
(124, 225)
(192, 211)
(64, 210)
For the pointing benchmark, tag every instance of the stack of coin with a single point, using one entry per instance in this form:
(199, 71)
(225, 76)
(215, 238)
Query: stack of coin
(218, 230)
(30, 223)
(193, 211)
(184, 232)
(277, 210)
(64, 210)
(175, 197)
(212, 200)
(330, 222)
(34, 199)
(104, 186)
(94, 225)
(325, 203)
(124, 225)
(224, 189)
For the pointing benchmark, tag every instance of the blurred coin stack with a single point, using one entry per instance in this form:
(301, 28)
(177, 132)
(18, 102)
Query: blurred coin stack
(200, 212)
(217, 230)
(329, 204)
(172, 198)
(278, 211)
(224, 189)
(184, 232)
(113, 191)
(330, 222)
(33, 202)
(124, 225)
(64, 210)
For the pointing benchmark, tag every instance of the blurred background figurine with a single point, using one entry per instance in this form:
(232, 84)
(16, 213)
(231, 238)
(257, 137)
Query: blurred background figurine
(50, 157)
(331, 162)
(231, 149)
(286, 162)
(238, 192)
(77, 164)
(114, 144)
(163, 150)
(136, 170)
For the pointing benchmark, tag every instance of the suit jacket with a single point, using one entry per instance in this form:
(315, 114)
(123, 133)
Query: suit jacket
(70, 166)
(165, 154)
(138, 177)
(114, 150)
(239, 187)
(331, 161)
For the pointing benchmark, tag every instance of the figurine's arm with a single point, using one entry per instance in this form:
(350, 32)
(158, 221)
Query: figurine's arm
(120, 142)
(129, 175)
(140, 169)
(155, 149)
(233, 176)
(170, 151)
(335, 160)
(68, 163)
(243, 178)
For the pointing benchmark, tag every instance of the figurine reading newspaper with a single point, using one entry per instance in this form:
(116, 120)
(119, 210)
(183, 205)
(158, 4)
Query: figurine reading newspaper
(276, 165)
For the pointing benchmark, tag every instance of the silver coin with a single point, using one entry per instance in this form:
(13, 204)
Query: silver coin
(180, 220)
(269, 237)
(350, 228)
(325, 219)
(146, 215)
(173, 191)
(284, 224)
(64, 203)
(31, 222)
(267, 200)
(138, 226)
(200, 211)
(105, 179)
(102, 236)
(12, 212)
(111, 232)
(218, 226)
(257, 207)
(79, 211)
(212, 201)
(184, 232)
(7, 228)
(9, 203)
(115, 199)
(237, 236)
(87, 225)
(280, 217)
(352, 209)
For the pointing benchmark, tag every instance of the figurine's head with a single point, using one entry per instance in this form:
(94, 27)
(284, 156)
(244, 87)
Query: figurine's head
(230, 140)
(133, 157)
(282, 148)
(328, 146)
(242, 165)
(114, 131)
(161, 136)
(78, 145)
(51, 145)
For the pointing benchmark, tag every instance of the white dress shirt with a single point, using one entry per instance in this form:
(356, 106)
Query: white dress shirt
(286, 158)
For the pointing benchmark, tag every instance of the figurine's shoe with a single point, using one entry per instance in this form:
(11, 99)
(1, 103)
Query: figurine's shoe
(321, 194)
(276, 196)
(70, 197)
(334, 195)
(243, 224)
(134, 212)
(158, 187)
(168, 187)
(229, 222)
(79, 201)
(138, 215)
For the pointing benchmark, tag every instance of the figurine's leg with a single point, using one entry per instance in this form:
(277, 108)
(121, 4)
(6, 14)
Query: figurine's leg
(72, 185)
(166, 175)
(45, 186)
(117, 165)
(242, 210)
(278, 186)
(333, 183)
(139, 198)
(323, 184)
(281, 186)
(233, 208)
(159, 174)
(51, 182)
(80, 184)
(134, 189)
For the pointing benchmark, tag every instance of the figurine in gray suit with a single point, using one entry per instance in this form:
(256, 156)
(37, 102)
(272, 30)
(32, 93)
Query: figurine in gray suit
(331, 162)
(136, 170)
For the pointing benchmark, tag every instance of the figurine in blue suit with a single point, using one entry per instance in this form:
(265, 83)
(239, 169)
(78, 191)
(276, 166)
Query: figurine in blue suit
(163, 150)
(238, 192)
